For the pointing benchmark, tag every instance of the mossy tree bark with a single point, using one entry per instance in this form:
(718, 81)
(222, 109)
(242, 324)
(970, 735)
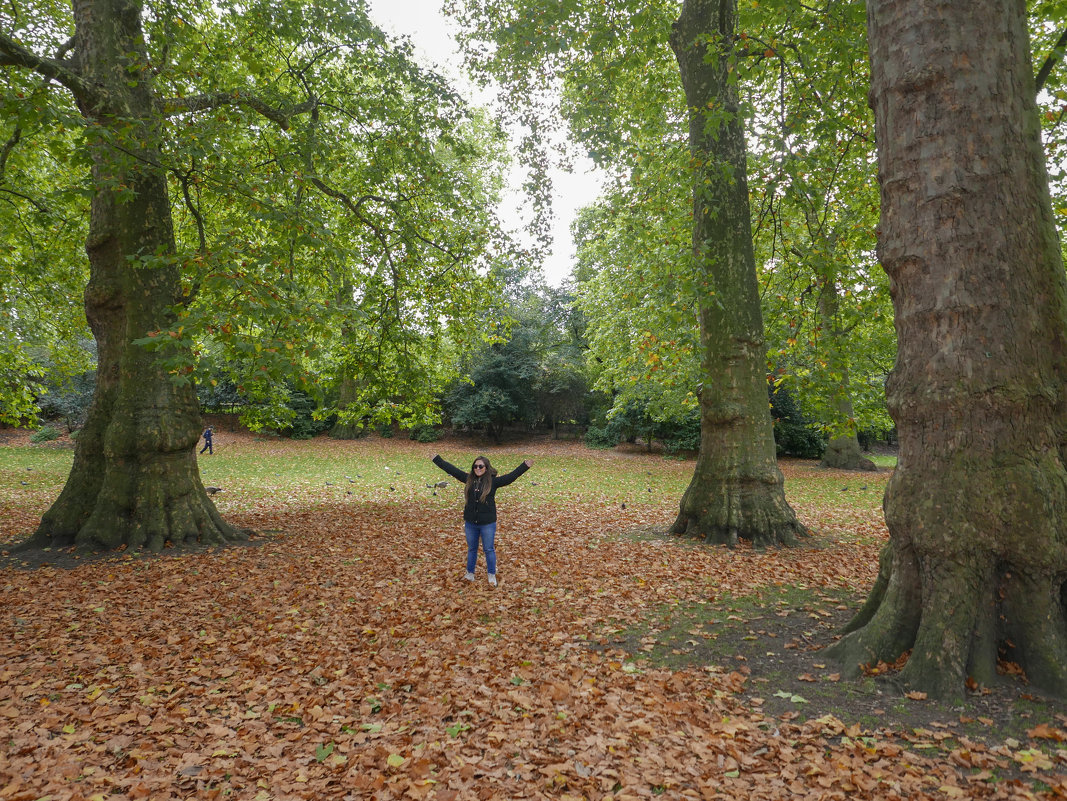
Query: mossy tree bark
(737, 490)
(134, 480)
(977, 560)
(843, 450)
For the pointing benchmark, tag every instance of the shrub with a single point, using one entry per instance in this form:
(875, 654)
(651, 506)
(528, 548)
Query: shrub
(304, 425)
(794, 434)
(69, 399)
(605, 437)
(45, 434)
(681, 433)
(424, 433)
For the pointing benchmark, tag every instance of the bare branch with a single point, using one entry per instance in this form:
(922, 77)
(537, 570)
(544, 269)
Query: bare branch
(237, 97)
(12, 54)
(37, 204)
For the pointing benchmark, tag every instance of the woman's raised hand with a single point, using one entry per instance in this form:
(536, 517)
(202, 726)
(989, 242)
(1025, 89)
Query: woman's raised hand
(528, 463)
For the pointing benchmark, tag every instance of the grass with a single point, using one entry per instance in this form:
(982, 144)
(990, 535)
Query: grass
(763, 615)
(257, 469)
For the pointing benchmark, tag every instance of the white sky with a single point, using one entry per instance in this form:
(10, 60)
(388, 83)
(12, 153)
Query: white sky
(432, 35)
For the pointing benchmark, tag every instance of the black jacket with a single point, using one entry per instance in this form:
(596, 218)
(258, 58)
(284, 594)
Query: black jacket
(476, 510)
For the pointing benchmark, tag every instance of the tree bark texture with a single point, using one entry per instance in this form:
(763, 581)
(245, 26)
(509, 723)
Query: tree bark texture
(135, 480)
(977, 559)
(737, 490)
(843, 450)
(348, 394)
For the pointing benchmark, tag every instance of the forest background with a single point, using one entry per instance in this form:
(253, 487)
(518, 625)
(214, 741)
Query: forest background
(612, 351)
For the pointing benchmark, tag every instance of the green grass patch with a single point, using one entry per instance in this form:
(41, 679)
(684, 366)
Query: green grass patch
(715, 632)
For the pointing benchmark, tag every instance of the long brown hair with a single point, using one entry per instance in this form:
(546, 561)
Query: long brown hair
(490, 471)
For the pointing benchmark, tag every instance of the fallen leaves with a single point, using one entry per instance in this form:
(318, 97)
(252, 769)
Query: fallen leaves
(346, 656)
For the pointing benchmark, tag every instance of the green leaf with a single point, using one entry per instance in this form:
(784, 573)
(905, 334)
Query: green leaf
(456, 728)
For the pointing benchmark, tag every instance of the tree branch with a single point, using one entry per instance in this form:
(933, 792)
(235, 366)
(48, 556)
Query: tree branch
(1053, 59)
(12, 54)
(237, 97)
(37, 204)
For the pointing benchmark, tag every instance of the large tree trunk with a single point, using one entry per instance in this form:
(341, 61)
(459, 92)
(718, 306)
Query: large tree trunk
(348, 395)
(977, 559)
(843, 450)
(737, 489)
(135, 480)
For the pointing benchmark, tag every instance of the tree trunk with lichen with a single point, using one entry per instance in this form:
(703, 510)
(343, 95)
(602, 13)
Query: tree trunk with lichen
(135, 480)
(843, 450)
(976, 565)
(737, 490)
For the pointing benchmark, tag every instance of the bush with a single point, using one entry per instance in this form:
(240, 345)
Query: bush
(606, 437)
(680, 434)
(45, 434)
(70, 399)
(424, 433)
(794, 435)
(304, 425)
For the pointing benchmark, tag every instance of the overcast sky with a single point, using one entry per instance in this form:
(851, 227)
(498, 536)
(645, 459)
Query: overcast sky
(432, 35)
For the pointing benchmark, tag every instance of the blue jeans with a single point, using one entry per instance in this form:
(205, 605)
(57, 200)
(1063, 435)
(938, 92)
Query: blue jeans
(487, 533)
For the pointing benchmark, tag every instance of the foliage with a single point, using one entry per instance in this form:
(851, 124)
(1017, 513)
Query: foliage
(1046, 41)
(70, 400)
(794, 433)
(332, 203)
(802, 72)
(45, 434)
(305, 422)
(635, 418)
(533, 370)
(219, 394)
(497, 394)
(424, 434)
(44, 206)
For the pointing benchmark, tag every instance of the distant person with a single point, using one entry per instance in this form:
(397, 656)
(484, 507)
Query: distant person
(479, 509)
(208, 434)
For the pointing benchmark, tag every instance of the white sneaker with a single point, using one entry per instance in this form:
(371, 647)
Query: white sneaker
(469, 576)
(492, 579)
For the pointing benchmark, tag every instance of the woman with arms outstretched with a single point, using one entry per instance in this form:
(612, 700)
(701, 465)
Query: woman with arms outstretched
(479, 508)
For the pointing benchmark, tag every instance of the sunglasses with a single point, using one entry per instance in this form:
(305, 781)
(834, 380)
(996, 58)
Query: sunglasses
(479, 467)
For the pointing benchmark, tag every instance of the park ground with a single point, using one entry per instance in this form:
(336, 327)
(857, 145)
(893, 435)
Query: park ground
(341, 655)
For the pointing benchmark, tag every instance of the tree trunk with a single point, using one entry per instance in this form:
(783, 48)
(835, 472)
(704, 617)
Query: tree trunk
(843, 449)
(347, 395)
(737, 489)
(134, 481)
(977, 557)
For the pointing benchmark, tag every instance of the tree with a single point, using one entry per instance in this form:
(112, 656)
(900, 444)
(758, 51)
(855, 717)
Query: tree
(976, 564)
(134, 478)
(604, 57)
(737, 489)
(240, 144)
(531, 371)
(498, 392)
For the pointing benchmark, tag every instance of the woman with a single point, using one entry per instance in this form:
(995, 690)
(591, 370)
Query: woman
(479, 510)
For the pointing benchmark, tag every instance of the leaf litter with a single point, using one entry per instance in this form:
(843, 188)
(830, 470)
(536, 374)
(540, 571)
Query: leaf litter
(345, 657)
